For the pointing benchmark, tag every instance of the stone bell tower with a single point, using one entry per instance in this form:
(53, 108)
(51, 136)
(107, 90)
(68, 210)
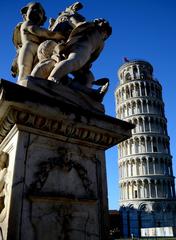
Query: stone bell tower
(145, 164)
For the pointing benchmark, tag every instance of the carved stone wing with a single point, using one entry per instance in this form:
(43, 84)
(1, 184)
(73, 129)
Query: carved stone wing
(17, 36)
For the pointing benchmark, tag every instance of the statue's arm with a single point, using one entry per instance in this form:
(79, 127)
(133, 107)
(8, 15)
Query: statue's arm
(96, 54)
(76, 6)
(44, 33)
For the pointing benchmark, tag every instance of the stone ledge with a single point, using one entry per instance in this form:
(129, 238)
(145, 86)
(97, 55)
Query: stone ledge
(65, 200)
(27, 107)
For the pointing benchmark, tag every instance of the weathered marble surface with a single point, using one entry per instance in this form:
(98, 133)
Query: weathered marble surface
(62, 53)
(56, 184)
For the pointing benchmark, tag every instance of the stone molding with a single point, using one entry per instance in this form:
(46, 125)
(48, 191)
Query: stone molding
(26, 107)
(21, 117)
(152, 205)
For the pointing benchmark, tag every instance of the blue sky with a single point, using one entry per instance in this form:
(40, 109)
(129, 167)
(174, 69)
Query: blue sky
(142, 29)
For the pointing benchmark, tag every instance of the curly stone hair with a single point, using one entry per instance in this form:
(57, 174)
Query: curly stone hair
(39, 6)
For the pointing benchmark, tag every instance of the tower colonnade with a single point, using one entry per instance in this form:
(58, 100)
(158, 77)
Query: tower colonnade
(147, 188)
(144, 166)
(139, 88)
(144, 144)
(140, 106)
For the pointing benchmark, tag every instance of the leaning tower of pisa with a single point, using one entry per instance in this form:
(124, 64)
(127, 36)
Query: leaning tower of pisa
(147, 186)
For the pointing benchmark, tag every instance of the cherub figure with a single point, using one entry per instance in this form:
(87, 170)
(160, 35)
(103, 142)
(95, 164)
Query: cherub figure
(83, 47)
(28, 36)
(49, 52)
(67, 19)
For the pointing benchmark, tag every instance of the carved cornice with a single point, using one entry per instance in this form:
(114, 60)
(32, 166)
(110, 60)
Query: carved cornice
(54, 114)
(61, 127)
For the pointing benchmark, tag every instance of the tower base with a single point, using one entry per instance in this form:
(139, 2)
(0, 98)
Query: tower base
(149, 218)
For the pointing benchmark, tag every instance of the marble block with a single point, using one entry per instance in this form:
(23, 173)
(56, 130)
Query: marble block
(52, 152)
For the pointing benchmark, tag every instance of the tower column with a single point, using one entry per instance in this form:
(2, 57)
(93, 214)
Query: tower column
(150, 193)
(147, 161)
(156, 189)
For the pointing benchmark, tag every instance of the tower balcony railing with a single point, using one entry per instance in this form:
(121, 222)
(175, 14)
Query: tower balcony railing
(146, 176)
(137, 97)
(153, 198)
(142, 154)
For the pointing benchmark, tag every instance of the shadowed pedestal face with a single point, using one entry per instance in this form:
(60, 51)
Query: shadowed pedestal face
(52, 149)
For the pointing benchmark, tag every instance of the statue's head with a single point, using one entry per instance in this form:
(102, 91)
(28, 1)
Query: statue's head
(104, 27)
(46, 49)
(34, 12)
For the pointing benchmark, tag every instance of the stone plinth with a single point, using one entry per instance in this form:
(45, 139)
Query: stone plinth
(53, 176)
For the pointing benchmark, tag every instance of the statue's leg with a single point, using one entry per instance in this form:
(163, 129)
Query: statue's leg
(43, 69)
(25, 60)
(89, 78)
(74, 62)
(84, 77)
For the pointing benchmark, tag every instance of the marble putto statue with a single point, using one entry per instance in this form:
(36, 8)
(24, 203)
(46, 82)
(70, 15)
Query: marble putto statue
(64, 52)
